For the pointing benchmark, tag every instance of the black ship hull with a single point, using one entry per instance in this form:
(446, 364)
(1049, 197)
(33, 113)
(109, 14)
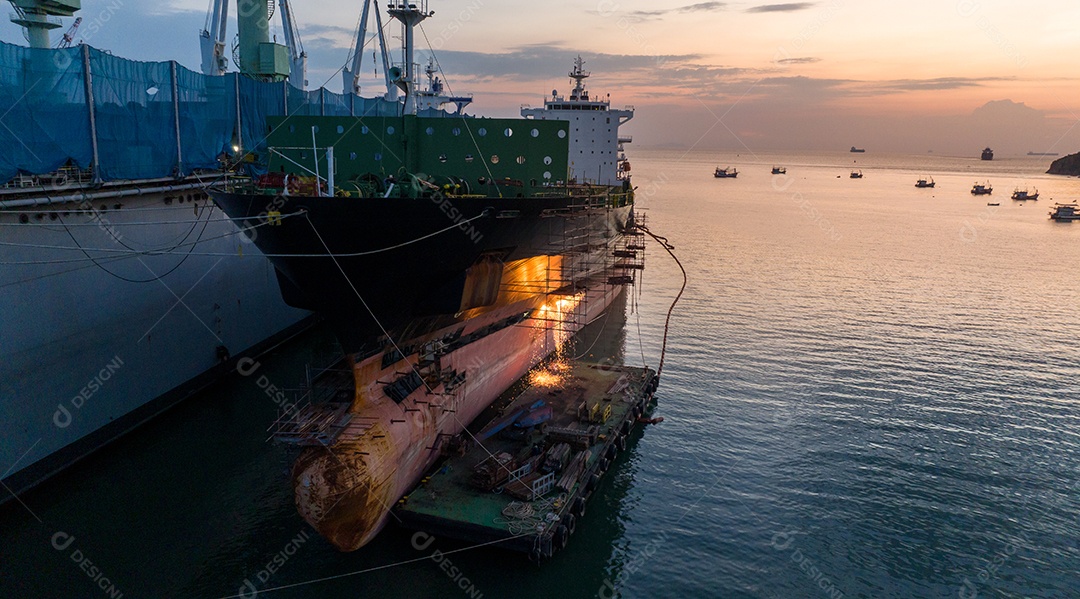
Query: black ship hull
(375, 265)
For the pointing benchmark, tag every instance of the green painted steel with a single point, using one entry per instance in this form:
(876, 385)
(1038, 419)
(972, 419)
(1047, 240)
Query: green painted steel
(273, 61)
(531, 152)
(259, 57)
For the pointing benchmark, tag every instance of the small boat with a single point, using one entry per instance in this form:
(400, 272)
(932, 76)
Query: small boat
(987, 154)
(993, 203)
(924, 183)
(1022, 195)
(856, 174)
(982, 190)
(726, 173)
(1065, 212)
(855, 150)
(779, 170)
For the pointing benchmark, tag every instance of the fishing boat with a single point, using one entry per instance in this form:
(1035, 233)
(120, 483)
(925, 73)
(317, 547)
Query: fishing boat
(987, 154)
(726, 173)
(923, 183)
(855, 150)
(1023, 194)
(856, 174)
(450, 254)
(779, 170)
(981, 189)
(1065, 212)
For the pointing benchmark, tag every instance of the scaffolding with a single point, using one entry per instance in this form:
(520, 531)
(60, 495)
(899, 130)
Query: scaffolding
(586, 248)
(317, 412)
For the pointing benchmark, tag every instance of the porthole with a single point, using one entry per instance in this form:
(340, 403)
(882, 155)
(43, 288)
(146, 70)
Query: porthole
(442, 157)
(468, 158)
(292, 128)
(547, 159)
(340, 129)
(364, 130)
(352, 155)
(378, 156)
(547, 175)
(430, 131)
(494, 159)
(456, 131)
(535, 133)
(521, 160)
(481, 132)
(389, 130)
(562, 133)
(508, 132)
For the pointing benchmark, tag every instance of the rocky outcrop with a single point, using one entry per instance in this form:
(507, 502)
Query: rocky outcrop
(1066, 165)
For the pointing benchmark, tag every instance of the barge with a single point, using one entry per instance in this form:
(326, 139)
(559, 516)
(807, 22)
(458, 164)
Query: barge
(523, 481)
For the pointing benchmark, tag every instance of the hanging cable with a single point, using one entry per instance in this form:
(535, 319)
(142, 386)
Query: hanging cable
(667, 321)
(121, 242)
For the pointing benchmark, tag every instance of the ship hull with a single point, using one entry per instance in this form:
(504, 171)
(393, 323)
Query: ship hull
(345, 491)
(398, 259)
(93, 347)
(438, 316)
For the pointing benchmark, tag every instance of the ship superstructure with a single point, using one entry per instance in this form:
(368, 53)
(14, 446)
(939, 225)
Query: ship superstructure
(596, 148)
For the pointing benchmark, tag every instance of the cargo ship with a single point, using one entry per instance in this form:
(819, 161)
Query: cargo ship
(451, 255)
(125, 289)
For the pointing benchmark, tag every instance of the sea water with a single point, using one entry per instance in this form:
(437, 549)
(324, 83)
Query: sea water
(870, 390)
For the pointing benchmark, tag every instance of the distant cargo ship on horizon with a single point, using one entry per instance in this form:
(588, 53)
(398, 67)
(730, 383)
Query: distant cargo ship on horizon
(855, 150)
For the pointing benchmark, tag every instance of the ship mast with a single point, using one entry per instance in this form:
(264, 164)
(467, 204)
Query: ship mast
(579, 76)
(410, 15)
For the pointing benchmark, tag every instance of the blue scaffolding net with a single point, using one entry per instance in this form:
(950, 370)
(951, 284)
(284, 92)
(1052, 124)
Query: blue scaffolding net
(127, 119)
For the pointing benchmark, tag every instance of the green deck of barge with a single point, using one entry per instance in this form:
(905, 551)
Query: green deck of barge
(446, 504)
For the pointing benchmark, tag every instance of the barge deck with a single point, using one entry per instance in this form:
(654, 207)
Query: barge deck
(522, 482)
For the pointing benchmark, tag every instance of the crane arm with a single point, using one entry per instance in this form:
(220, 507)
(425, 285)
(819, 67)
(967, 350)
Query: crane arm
(391, 87)
(351, 72)
(69, 37)
(212, 38)
(297, 56)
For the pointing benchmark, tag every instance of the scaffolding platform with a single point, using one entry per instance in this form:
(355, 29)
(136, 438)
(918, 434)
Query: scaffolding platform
(523, 481)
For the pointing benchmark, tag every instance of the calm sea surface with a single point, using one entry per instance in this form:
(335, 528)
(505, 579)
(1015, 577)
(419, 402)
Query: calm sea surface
(871, 390)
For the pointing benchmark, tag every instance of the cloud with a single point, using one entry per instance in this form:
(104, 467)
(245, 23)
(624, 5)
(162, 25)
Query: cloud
(801, 60)
(642, 15)
(790, 7)
(535, 62)
(702, 7)
(936, 84)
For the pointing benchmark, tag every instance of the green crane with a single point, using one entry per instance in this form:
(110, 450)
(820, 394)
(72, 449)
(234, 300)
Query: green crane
(40, 16)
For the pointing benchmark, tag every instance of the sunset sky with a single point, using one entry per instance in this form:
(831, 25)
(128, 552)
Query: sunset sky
(949, 76)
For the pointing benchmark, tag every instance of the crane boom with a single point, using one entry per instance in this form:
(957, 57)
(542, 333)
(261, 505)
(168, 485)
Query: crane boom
(297, 56)
(212, 39)
(69, 37)
(391, 87)
(351, 73)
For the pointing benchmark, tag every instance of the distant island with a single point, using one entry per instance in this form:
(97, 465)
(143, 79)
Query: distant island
(1043, 154)
(1066, 165)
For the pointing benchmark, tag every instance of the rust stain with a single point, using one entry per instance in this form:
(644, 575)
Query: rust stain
(345, 491)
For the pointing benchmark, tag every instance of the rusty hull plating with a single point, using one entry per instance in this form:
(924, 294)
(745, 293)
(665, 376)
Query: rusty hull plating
(345, 490)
